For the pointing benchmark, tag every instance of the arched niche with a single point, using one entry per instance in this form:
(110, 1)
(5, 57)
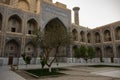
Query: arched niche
(88, 37)
(12, 48)
(56, 29)
(30, 49)
(109, 51)
(97, 37)
(117, 33)
(82, 36)
(15, 24)
(31, 26)
(75, 35)
(107, 35)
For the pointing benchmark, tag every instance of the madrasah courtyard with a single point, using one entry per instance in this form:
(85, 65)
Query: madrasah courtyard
(18, 18)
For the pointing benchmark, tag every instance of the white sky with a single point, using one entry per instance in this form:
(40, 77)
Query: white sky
(94, 13)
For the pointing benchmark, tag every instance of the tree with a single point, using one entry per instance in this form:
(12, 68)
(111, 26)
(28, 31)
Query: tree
(52, 38)
(77, 53)
(84, 52)
(26, 58)
(55, 37)
(91, 52)
(42, 61)
(81, 52)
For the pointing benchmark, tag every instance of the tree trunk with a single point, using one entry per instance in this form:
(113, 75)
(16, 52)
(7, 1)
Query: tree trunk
(50, 69)
(26, 66)
(49, 64)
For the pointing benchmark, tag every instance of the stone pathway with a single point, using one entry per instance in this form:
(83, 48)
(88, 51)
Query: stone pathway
(81, 73)
(115, 73)
(7, 74)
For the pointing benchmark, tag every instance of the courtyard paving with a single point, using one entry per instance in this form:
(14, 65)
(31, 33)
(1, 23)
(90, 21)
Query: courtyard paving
(7, 74)
(75, 72)
(83, 73)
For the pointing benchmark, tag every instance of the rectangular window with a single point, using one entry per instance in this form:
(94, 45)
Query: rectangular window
(13, 29)
(28, 49)
(29, 32)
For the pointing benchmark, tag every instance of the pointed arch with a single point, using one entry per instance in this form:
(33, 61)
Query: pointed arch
(82, 34)
(88, 37)
(12, 48)
(97, 37)
(55, 32)
(55, 22)
(15, 24)
(107, 35)
(31, 25)
(75, 35)
(117, 33)
(108, 52)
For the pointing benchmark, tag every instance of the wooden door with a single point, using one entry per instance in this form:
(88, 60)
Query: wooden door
(10, 61)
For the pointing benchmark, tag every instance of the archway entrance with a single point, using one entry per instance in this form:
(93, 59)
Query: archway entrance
(99, 53)
(12, 50)
(55, 31)
(10, 60)
(109, 53)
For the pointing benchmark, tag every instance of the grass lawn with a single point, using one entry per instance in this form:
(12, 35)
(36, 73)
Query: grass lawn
(45, 72)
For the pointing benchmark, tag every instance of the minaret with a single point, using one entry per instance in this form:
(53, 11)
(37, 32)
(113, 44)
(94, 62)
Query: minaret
(76, 15)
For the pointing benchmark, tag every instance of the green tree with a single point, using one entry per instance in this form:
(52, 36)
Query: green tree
(84, 52)
(26, 59)
(42, 61)
(77, 53)
(91, 52)
(81, 52)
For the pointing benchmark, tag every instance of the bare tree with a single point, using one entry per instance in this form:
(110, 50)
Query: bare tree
(54, 38)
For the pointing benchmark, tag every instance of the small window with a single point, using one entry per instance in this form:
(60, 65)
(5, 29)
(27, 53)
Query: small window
(28, 49)
(29, 32)
(88, 41)
(13, 29)
(11, 48)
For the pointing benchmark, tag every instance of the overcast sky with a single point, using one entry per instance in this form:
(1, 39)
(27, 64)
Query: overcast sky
(94, 13)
